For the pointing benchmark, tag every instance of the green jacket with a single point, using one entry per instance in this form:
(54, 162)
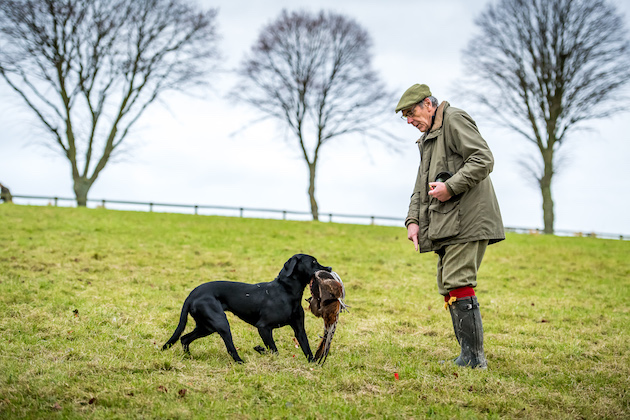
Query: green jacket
(454, 144)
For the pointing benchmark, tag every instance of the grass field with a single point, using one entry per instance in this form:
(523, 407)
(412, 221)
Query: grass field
(87, 298)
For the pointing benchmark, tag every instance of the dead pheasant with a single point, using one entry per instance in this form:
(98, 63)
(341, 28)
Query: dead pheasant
(326, 301)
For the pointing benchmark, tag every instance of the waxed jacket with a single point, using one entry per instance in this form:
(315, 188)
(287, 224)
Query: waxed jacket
(454, 144)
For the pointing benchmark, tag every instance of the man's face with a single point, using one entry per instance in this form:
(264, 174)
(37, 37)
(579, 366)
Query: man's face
(420, 115)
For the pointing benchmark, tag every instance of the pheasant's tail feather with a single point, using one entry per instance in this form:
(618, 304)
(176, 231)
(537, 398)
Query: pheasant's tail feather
(324, 345)
(320, 350)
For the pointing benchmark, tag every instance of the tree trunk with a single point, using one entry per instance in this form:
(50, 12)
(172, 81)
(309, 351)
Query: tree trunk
(81, 188)
(311, 191)
(545, 188)
(5, 194)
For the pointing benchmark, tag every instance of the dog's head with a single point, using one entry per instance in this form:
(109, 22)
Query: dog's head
(302, 267)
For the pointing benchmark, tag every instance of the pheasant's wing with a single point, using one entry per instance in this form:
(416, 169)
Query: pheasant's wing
(323, 288)
(314, 302)
(344, 307)
(329, 290)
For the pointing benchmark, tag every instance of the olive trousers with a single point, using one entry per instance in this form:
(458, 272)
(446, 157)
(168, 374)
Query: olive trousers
(458, 265)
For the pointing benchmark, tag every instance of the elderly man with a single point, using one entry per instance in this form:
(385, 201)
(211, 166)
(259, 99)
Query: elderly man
(453, 211)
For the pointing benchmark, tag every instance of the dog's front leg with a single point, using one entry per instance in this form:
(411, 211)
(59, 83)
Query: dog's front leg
(300, 335)
(266, 334)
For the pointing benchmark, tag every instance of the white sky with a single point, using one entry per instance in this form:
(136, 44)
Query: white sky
(189, 154)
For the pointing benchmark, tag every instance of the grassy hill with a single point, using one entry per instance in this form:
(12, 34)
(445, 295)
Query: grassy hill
(87, 298)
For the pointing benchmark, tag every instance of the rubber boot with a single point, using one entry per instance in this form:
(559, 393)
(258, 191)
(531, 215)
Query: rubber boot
(469, 332)
(453, 318)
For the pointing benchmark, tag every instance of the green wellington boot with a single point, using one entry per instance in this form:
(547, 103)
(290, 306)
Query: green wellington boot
(469, 332)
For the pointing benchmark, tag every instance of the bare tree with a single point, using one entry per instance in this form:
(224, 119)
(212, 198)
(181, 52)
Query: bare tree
(314, 73)
(88, 69)
(545, 67)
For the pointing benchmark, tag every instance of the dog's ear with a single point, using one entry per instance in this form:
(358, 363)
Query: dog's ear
(289, 266)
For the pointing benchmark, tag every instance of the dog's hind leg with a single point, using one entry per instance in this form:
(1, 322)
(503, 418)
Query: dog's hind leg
(210, 318)
(226, 335)
(192, 336)
(221, 325)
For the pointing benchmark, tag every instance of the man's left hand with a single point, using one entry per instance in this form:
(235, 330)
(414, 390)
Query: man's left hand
(438, 190)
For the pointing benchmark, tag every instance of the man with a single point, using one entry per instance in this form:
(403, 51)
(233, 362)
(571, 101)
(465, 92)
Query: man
(453, 211)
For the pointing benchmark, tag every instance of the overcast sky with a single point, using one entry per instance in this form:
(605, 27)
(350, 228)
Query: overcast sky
(208, 151)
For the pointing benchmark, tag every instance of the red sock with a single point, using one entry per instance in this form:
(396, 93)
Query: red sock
(462, 292)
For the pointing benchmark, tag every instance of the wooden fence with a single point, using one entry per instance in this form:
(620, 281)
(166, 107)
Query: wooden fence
(231, 210)
(294, 215)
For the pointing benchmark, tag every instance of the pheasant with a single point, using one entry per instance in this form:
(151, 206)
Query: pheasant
(326, 301)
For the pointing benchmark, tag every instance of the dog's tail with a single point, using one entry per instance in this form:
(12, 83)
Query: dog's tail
(183, 319)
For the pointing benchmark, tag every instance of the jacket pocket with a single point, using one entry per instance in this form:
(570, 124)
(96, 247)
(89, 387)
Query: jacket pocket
(443, 220)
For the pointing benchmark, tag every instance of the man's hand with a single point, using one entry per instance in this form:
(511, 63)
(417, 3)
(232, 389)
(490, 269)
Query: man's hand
(439, 191)
(412, 234)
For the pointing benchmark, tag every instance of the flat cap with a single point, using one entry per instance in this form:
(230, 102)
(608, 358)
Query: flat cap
(412, 96)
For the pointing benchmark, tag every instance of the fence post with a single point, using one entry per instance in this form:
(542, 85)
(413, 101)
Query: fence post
(241, 211)
(150, 207)
(103, 203)
(284, 215)
(330, 218)
(196, 207)
(372, 220)
(55, 201)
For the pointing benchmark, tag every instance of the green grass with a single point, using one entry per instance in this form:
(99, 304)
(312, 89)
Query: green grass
(87, 298)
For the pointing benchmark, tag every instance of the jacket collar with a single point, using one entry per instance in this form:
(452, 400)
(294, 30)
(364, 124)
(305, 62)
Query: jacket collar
(438, 120)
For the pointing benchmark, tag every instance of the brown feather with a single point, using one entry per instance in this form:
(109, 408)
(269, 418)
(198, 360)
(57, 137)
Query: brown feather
(327, 293)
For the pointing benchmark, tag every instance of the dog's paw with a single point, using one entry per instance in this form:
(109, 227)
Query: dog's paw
(260, 349)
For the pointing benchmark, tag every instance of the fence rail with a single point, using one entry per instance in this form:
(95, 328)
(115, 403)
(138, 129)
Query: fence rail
(197, 207)
(301, 215)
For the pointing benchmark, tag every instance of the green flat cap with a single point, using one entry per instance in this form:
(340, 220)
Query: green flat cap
(412, 96)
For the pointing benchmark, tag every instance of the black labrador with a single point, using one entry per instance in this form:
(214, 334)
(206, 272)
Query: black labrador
(264, 305)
